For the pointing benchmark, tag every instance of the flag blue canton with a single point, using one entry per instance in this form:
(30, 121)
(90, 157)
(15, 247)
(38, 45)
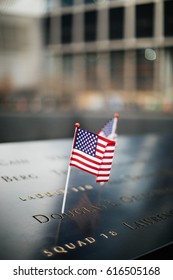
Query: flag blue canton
(107, 129)
(86, 142)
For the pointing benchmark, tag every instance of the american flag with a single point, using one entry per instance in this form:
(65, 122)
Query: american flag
(88, 154)
(109, 129)
(106, 164)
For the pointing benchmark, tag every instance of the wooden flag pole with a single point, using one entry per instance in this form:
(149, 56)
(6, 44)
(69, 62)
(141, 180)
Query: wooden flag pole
(68, 172)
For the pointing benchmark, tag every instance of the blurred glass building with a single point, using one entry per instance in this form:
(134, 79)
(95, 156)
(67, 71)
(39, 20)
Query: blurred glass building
(110, 54)
(86, 55)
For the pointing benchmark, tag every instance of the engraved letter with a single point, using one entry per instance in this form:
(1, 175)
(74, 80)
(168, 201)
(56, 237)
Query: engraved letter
(74, 189)
(70, 246)
(127, 225)
(77, 211)
(114, 233)
(23, 199)
(31, 197)
(139, 224)
(59, 249)
(6, 178)
(126, 199)
(84, 210)
(104, 235)
(48, 253)
(69, 214)
(59, 216)
(41, 218)
(81, 188)
(90, 239)
(48, 194)
(97, 207)
(39, 195)
(110, 202)
(80, 243)
(148, 221)
(88, 187)
(33, 176)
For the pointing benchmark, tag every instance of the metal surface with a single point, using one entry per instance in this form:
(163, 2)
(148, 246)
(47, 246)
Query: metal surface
(128, 217)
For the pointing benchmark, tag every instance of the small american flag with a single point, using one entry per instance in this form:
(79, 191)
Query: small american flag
(109, 129)
(106, 164)
(89, 151)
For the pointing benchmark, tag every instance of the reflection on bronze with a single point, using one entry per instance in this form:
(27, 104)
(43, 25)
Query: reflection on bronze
(86, 222)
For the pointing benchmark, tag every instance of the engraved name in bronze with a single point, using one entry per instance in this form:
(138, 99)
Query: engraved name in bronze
(147, 195)
(67, 247)
(56, 193)
(13, 162)
(92, 208)
(57, 157)
(148, 221)
(42, 218)
(9, 179)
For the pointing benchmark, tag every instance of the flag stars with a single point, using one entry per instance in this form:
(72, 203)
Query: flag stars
(86, 142)
(107, 129)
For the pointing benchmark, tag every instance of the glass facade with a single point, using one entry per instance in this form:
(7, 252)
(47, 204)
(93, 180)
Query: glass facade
(117, 69)
(168, 18)
(91, 70)
(103, 46)
(66, 3)
(67, 65)
(144, 72)
(145, 20)
(46, 30)
(116, 23)
(90, 26)
(66, 28)
(89, 1)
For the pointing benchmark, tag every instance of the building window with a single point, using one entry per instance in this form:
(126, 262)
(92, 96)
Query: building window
(117, 69)
(144, 20)
(144, 72)
(90, 26)
(89, 1)
(46, 30)
(66, 28)
(66, 3)
(168, 18)
(116, 23)
(67, 79)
